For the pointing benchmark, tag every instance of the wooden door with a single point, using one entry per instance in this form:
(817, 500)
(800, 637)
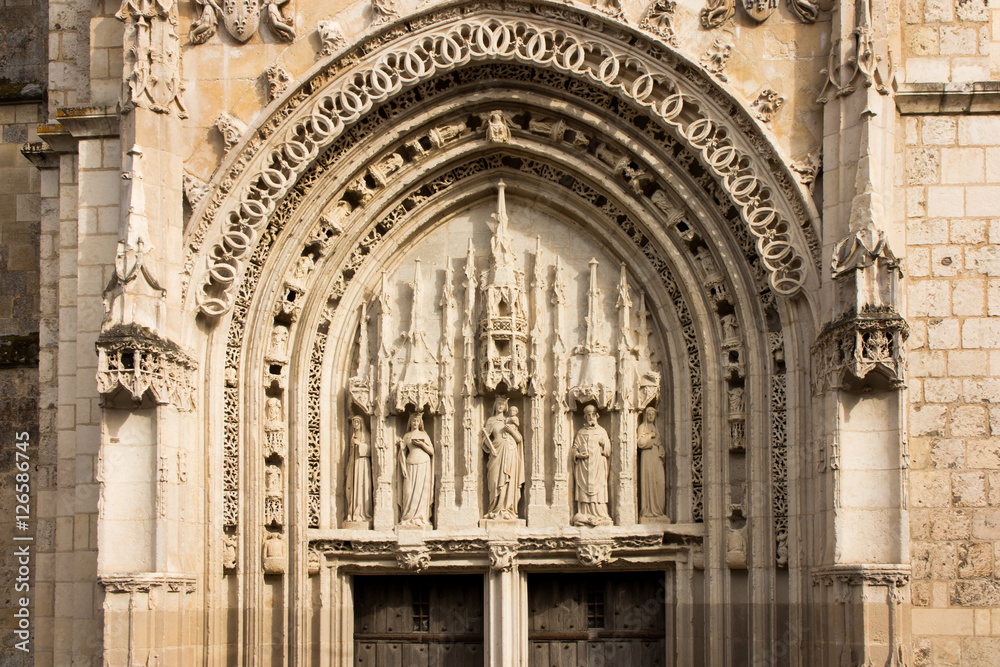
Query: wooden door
(594, 620)
(418, 621)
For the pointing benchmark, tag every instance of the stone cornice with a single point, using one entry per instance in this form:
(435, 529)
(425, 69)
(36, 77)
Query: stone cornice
(972, 97)
(130, 582)
(89, 122)
(879, 574)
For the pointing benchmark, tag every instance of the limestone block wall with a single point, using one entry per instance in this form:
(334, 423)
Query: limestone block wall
(952, 180)
(19, 326)
(950, 41)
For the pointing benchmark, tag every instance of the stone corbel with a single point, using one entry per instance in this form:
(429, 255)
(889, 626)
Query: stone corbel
(135, 359)
(414, 557)
(502, 556)
(867, 335)
(594, 554)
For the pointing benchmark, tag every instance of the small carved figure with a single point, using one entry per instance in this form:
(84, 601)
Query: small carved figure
(704, 258)
(652, 475)
(274, 428)
(730, 329)
(272, 481)
(416, 452)
(502, 443)
(736, 400)
(736, 549)
(303, 267)
(279, 341)
(498, 128)
(359, 476)
(553, 128)
(274, 554)
(591, 451)
(229, 553)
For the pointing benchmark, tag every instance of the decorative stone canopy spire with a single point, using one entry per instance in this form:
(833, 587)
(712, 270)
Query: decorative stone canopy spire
(503, 322)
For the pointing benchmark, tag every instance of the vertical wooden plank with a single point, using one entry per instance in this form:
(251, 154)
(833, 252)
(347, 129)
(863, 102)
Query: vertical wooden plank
(415, 654)
(364, 654)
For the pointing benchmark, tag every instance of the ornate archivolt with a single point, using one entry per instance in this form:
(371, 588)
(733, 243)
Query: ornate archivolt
(669, 89)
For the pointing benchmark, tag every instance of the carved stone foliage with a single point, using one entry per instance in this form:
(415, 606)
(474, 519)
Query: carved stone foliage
(594, 554)
(502, 556)
(241, 19)
(383, 11)
(277, 79)
(152, 68)
(717, 57)
(659, 19)
(231, 129)
(194, 188)
(135, 359)
(414, 558)
(730, 164)
(767, 104)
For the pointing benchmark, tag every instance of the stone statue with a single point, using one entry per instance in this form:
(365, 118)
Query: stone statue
(416, 454)
(730, 329)
(502, 443)
(359, 473)
(279, 342)
(497, 128)
(652, 478)
(274, 554)
(272, 481)
(591, 450)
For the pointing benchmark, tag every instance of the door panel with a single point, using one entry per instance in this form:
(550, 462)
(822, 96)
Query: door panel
(596, 620)
(418, 621)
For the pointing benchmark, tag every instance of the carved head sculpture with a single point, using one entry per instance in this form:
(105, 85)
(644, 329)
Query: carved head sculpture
(358, 426)
(590, 415)
(649, 415)
(500, 405)
(416, 422)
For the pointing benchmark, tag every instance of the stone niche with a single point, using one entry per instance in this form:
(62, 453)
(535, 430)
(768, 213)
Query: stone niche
(505, 297)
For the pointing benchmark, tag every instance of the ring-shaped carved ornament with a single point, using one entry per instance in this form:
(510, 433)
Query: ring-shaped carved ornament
(525, 40)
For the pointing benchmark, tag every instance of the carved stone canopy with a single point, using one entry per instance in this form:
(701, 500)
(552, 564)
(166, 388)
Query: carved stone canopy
(135, 359)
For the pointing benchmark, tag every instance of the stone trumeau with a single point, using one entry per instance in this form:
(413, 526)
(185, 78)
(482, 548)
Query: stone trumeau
(495, 332)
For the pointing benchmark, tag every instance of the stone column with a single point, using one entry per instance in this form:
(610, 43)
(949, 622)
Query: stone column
(858, 357)
(505, 607)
